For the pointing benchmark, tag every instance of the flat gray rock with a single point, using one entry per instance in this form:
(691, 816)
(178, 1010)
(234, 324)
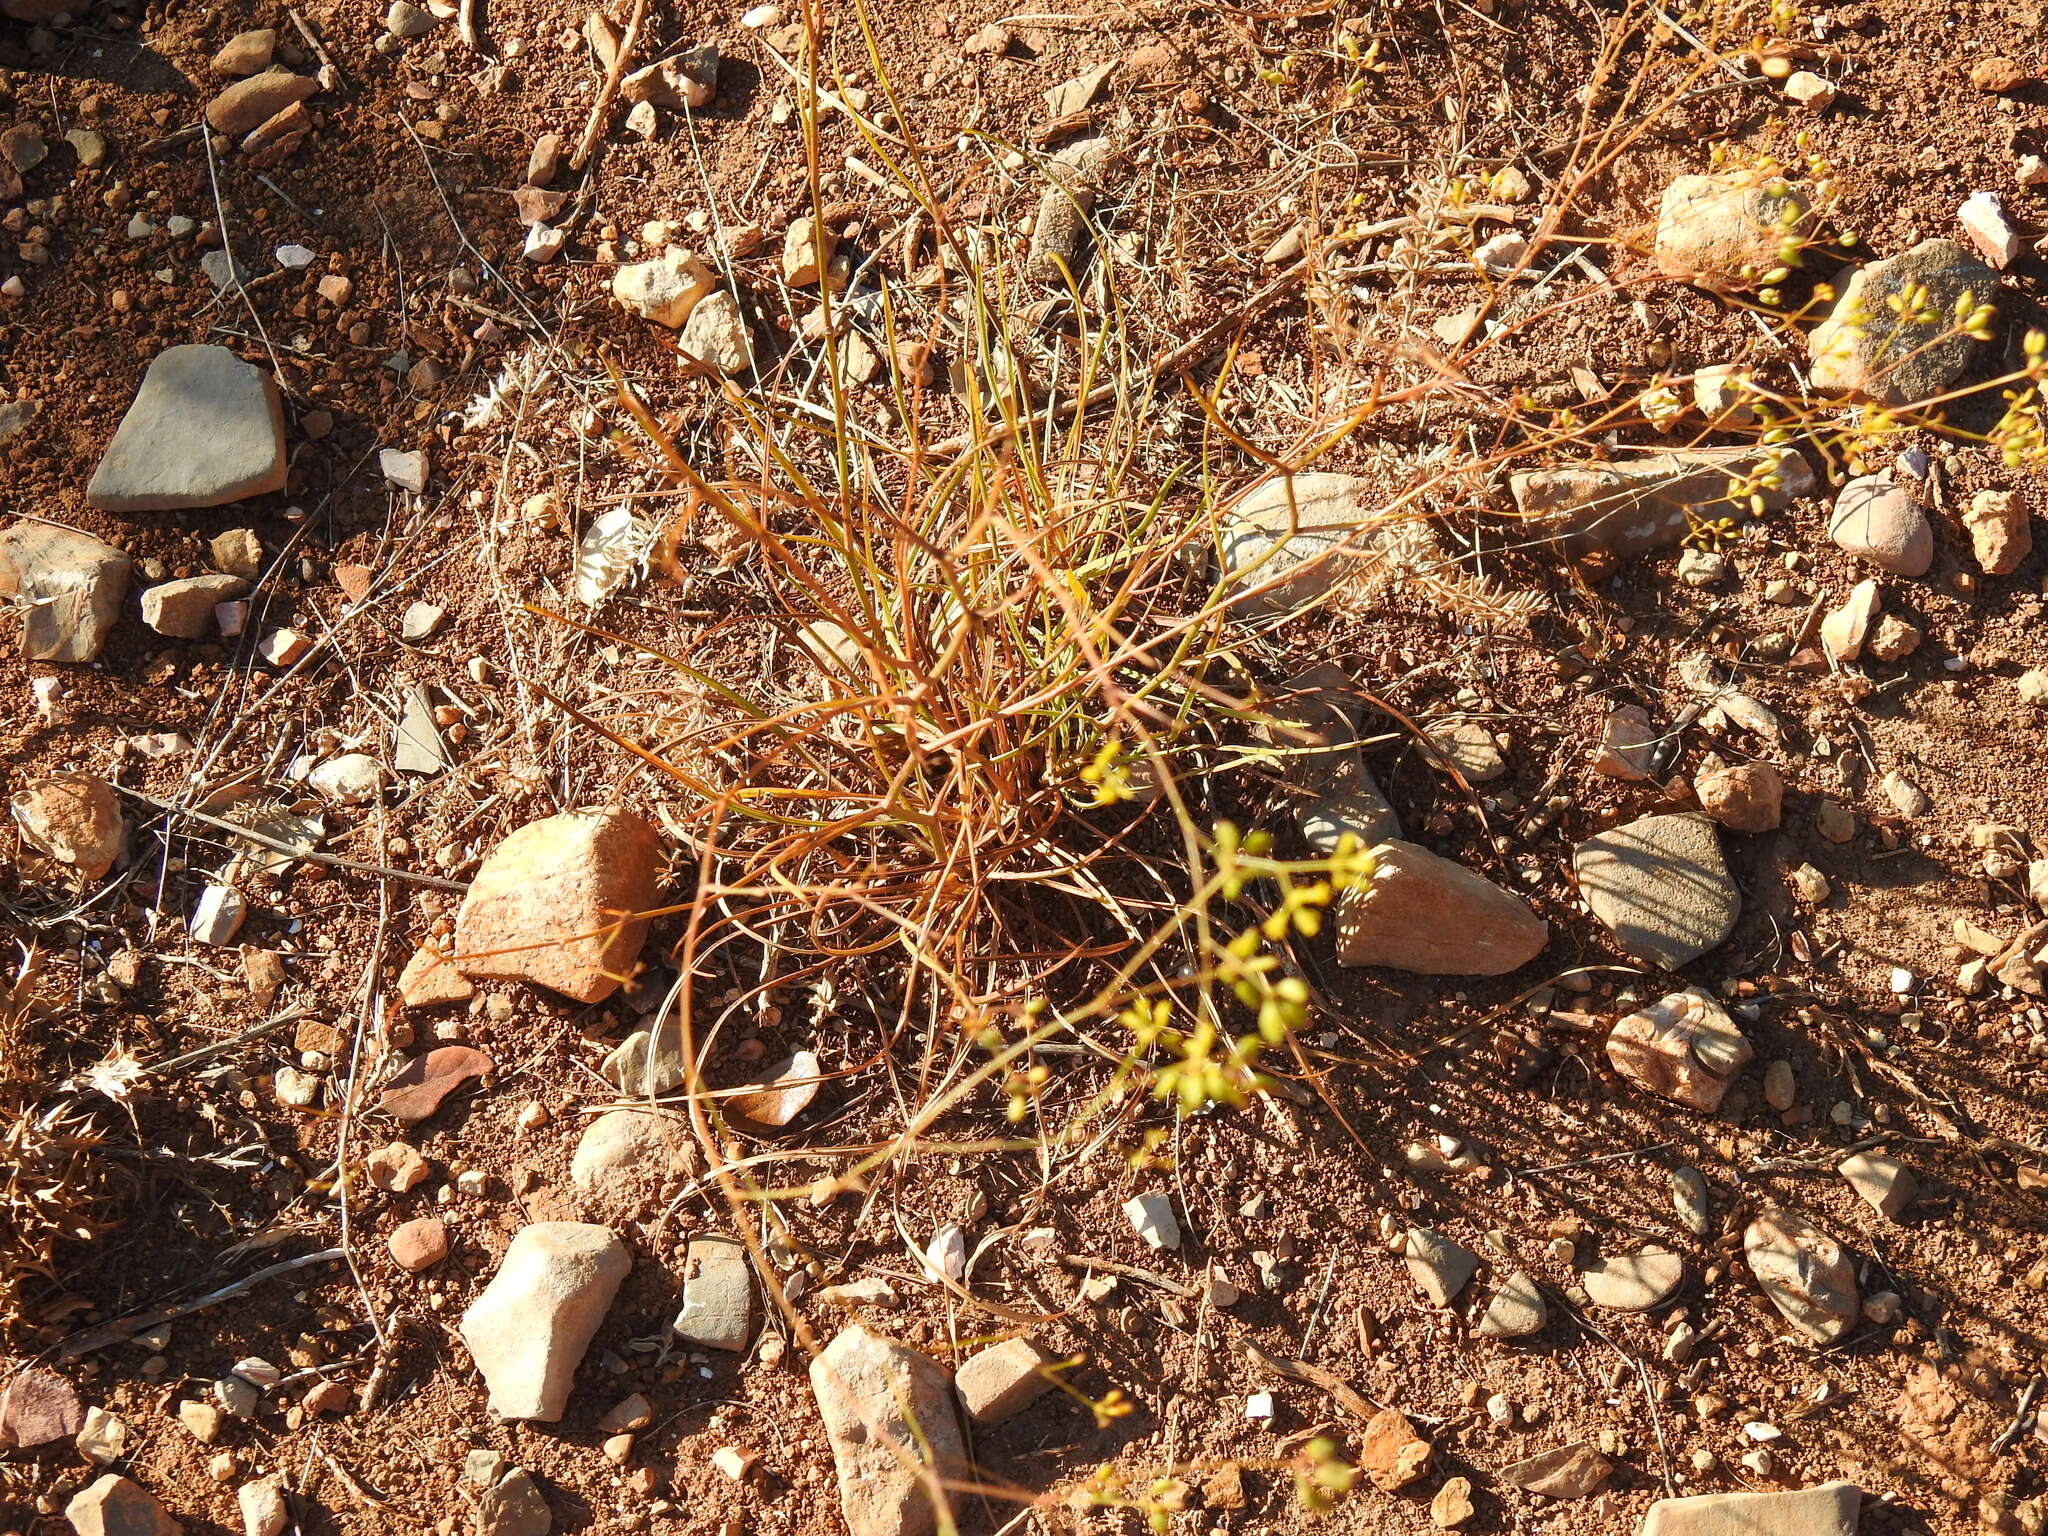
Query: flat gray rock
(1661, 885)
(1832, 1509)
(1294, 538)
(1901, 360)
(416, 746)
(1645, 501)
(718, 1294)
(1438, 1265)
(205, 429)
(1516, 1311)
(1634, 1282)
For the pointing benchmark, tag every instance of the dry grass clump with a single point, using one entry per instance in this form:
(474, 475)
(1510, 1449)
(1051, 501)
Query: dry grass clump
(52, 1183)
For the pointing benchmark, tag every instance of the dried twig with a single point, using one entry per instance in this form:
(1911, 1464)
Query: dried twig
(465, 24)
(279, 845)
(2020, 1420)
(125, 1328)
(601, 109)
(1128, 1271)
(330, 72)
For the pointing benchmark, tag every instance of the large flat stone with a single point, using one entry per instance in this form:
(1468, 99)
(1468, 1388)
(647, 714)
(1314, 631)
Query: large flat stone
(890, 1418)
(205, 429)
(1832, 1509)
(1425, 914)
(1651, 500)
(1864, 348)
(718, 1294)
(1661, 885)
(557, 904)
(530, 1327)
(1294, 538)
(71, 588)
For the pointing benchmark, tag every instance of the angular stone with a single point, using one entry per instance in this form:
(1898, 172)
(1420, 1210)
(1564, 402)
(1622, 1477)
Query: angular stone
(1683, 1047)
(71, 588)
(74, 818)
(418, 1090)
(1805, 1273)
(1625, 506)
(556, 904)
(1866, 348)
(530, 1327)
(1568, 1472)
(1438, 1265)
(648, 1063)
(1285, 553)
(248, 102)
(664, 289)
(1884, 524)
(204, 429)
(264, 1511)
(1844, 630)
(1424, 914)
(2001, 533)
(1391, 1453)
(785, 1091)
(416, 746)
(1634, 1282)
(246, 53)
(184, 609)
(688, 81)
(718, 1294)
(430, 980)
(1517, 1309)
(118, 1506)
(37, 1407)
(1060, 229)
(1152, 1218)
(1661, 885)
(716, 335)
(1832, 1509)
(1727, 230)
(354, 778)
(1748, 797)
(626, 1160)
(1002, 1380)
(1628, 744)
(807, 248)
(513, 1506)
(890, 1419)
(1885, 1182)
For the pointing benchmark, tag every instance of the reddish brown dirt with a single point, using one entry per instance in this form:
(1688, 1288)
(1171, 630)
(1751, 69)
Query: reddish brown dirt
(214, 1174)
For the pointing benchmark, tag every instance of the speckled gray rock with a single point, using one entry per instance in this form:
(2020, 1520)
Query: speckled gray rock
(1628, 505)
(530, 1327)
(1285, 549)
(70, 587)
(718, 1294)
(1661, 885)
(204, 429)
(889, 1416)
(1864, 348)
(1059, 232)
